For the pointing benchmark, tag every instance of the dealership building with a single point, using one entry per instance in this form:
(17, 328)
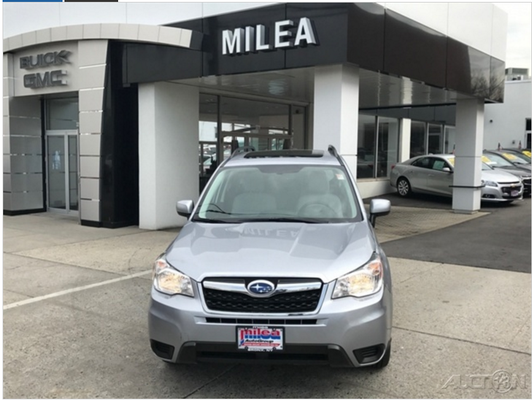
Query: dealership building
(113, 122)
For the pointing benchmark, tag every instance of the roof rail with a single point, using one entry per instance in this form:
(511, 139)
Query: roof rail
(333, 152)
(241, 150)
(284, 153)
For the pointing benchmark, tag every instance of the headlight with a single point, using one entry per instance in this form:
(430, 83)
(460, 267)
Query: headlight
(364, 281)
(490, 183)
(170, 281)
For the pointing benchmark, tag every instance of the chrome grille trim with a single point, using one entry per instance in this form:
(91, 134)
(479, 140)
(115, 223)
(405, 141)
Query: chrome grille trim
(240, 287)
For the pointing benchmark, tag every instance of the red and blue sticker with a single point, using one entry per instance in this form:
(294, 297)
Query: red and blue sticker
(260, 338)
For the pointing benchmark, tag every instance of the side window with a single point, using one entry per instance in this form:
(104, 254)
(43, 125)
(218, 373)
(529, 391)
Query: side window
(439, 165)
(424, 162)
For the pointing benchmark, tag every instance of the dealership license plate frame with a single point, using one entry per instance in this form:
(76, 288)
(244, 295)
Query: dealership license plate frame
(260, 344)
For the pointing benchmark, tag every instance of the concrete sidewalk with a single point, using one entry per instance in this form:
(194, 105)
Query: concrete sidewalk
(75, 303)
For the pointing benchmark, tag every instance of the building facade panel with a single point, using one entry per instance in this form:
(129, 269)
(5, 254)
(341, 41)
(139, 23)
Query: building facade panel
(327, 22)
(413, 50)
(262, 69)
(365, 38)
(92, 53)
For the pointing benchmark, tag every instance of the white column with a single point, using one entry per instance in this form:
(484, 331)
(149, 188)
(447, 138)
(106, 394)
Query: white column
(404, 146)
(468, 153)
(168, 152)
(336, 111)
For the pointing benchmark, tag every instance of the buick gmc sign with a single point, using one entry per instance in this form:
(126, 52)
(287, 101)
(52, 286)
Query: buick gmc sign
(255, 38)
(36, 80)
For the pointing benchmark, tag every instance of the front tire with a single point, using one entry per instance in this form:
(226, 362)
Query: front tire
(403, 187)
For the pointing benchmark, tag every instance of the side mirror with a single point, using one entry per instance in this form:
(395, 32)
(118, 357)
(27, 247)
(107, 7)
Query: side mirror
(447, 169)
(378, 208)
(185, 208)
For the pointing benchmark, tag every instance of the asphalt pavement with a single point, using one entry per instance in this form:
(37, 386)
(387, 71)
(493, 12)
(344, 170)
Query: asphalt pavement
(499, 240)
(75, 303)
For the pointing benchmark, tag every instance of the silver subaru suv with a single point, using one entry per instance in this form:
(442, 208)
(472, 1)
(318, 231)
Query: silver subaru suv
(278, 262)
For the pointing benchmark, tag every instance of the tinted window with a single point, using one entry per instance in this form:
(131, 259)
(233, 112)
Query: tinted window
(425, 162)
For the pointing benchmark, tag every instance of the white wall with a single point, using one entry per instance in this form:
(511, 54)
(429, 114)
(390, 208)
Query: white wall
(168, 152)
(507, 125)
(335, 111)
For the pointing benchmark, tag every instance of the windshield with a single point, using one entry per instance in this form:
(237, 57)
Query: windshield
(517, 158)
(279, 193)
(496, 161)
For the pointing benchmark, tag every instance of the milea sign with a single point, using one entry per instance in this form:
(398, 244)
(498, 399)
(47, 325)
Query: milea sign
(255, 38)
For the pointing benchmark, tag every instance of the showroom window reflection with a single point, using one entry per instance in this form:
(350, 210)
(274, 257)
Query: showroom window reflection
(227, 123)
(418, 134)
(378, 146)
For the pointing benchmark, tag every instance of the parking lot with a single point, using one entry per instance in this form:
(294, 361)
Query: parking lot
(76, 299)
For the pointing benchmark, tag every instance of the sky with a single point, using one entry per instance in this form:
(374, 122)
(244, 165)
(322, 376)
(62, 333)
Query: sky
(519, 40)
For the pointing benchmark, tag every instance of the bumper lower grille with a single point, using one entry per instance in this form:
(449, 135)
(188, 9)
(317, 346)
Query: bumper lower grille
(262, 321)
(369, 354)
(509, 190)
(219, 300)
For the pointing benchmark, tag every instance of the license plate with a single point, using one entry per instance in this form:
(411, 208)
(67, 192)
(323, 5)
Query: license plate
(259, 338)
(515, 193)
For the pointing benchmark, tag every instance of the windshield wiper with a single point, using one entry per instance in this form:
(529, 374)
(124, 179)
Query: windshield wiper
(196, 217)
(287, 219)
(217, 210)
(209, 220)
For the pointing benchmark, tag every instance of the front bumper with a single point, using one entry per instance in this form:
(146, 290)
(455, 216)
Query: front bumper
(344, 332)
(502, 193)
(527, 185)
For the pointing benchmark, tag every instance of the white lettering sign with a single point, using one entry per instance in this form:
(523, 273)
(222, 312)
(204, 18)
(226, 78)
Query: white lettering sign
(254, 39)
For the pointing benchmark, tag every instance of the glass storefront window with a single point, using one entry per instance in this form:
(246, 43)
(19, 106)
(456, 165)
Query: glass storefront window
(417, 139)
(387, 146)
(62, 114)
(254, 123)
(366, 146)
(228, 123)
(208, 121)
(208, 136)
(435, 139)
(378, 146)
(450, 140)
(298, 128)
(265, 126)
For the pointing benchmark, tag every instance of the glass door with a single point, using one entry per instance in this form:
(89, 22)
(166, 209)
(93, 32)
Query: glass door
(62, 171)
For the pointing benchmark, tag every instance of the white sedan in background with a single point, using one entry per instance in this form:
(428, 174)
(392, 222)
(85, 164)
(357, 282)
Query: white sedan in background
(434, 174)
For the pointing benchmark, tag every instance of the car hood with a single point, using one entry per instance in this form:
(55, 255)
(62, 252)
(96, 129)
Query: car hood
(499, 176)
(518, 171)
(525, 166)
(268, 249)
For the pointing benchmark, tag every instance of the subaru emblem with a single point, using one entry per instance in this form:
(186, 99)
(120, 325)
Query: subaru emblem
(260, 288)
